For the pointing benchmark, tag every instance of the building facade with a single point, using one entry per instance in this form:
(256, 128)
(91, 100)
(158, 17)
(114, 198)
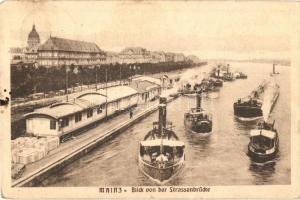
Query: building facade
(179, 57)
(135, 55)
(65, 52)
(193, 58)
(158, 57)
(17, 55)
(147, 90)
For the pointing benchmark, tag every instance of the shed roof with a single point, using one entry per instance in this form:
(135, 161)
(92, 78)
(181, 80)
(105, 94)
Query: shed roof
(56, 110)
(117, 92)
(92, 98)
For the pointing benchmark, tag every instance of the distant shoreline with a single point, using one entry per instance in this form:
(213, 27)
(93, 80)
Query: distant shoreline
(278, 62)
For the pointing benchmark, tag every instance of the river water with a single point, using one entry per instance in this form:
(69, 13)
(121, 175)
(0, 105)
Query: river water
(217, 160)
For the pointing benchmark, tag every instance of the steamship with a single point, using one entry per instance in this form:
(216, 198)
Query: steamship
(198, 120)
(264, 142)
(161, 154)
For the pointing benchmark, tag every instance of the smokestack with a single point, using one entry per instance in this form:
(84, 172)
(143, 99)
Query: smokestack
(198, 100)
(218, 72)
(273, 68)
(162, 114)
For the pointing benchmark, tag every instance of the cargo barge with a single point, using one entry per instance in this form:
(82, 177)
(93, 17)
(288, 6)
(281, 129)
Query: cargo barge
(253, 106)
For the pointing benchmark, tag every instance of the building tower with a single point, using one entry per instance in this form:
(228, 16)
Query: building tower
(33, 38)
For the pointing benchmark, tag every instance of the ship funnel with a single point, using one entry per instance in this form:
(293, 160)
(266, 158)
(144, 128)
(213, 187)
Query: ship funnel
(273, 68)
(218, 73)
(198, 100)
(162, 114)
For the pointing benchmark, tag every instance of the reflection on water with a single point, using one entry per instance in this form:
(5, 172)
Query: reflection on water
(262, 172)
(220, 159)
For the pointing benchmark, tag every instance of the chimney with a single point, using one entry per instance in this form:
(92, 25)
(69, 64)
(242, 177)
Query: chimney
(273, 68)
(218, 72)
(198, 100)
(162, 114)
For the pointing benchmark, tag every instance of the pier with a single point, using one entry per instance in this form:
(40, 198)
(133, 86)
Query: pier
(69, 151)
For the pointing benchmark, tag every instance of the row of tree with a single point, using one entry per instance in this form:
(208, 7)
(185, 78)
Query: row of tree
(27, 79)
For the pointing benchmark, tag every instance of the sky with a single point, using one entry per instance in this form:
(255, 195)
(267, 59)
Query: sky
(233, 30)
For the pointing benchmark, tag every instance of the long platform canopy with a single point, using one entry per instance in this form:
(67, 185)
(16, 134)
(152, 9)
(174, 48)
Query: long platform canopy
(83, 102)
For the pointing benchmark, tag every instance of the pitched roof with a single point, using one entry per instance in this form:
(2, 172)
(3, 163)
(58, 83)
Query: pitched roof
(61, 44)
(148, 78)
(135, 50)
(143, 85)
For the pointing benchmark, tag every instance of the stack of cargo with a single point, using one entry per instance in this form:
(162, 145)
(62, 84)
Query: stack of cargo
(31, 149)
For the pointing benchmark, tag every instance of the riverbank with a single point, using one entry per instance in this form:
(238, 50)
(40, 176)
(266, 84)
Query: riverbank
(71, 150)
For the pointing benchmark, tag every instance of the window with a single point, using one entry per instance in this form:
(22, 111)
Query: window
(52, 124)
(90, 113)
(65, 122)
(99, 110)
(78, 117)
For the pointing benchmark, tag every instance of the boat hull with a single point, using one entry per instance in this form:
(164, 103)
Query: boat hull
(262, 156)
(160, 175)
(218, 84)
(198, 128)
(247, 111)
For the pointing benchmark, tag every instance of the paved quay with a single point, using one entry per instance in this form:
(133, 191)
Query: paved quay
(71, 150)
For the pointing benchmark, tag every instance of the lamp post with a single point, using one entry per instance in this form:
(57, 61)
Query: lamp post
(106, 92)
(120, 75)
(67, 77)
(97, 66)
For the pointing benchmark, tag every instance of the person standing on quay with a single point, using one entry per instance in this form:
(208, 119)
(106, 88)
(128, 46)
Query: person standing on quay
(131, 113)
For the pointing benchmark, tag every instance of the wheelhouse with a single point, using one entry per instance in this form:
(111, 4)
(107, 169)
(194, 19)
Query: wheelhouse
(263, 139)
(154, 151)
(198, 114)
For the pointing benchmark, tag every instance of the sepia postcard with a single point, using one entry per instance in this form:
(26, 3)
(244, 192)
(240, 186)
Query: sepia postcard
(150, 99)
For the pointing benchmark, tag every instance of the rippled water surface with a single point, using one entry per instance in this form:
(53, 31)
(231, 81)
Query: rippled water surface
(217, 160)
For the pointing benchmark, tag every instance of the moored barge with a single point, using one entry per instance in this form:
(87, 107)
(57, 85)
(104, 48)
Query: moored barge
(249, 108)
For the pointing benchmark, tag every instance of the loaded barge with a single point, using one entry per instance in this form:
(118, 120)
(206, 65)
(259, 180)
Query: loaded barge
(251, 107)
